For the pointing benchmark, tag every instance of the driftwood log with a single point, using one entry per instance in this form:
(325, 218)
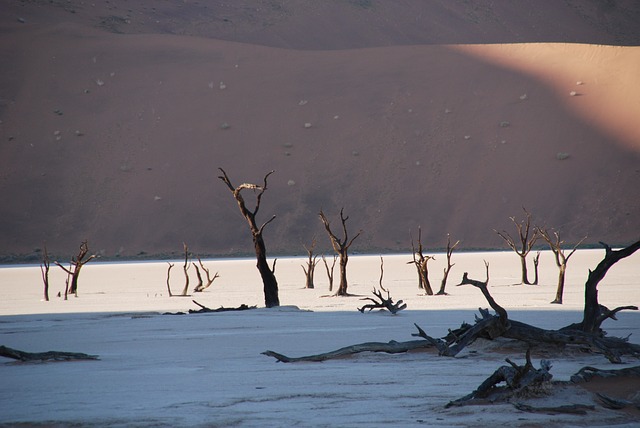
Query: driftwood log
(391, 347)
(23, 356)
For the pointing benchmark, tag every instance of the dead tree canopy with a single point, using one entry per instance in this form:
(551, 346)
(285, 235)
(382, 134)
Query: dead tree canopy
(561, 258)
(269, 281)
(341, 247)
(77, 263)
(527, 238)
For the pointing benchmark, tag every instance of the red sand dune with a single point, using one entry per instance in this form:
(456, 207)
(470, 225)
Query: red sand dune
(446, 114)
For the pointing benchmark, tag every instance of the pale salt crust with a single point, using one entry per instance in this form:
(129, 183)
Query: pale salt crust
(207, 369)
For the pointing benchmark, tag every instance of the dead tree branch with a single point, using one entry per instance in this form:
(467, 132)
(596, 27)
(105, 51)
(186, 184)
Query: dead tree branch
(527, 240)
(23, 356)
(382, 303)
(201, 287)
(450, 249)
(391, 347)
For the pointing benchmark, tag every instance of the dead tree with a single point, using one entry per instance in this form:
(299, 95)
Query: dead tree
(309, 270)
(185, 268)
(450, 249)
(561, 258)
(201, 286)
(594, 313)
(44, 270)
(23, 356)
(330, 270)
(536, 262)
(420, 261)
(382, 303)
(527, 239)
(583, 336)
(517, 379)
(270, 284)
(168, 276)
(77, 263)
(341, 247)
(381, 275)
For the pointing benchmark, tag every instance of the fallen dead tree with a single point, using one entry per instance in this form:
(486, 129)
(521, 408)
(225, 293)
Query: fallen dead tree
(204, 310)
(391, 347)
(23, 356)
(586, 335)
(518, 380)
(382, 303)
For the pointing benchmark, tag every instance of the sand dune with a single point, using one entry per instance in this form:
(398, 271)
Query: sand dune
(112, 129)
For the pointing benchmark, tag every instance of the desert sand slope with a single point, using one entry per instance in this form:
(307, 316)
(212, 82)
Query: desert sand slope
(116, 138)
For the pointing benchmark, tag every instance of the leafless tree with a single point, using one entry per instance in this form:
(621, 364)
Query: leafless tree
(420, 261)
(270, 284)
(201, 286)
(76, 265)
(44, 269)
(312, 261)
(341, 247)
(527, 237)
(330, 270)
(450, 249)
(555, 244)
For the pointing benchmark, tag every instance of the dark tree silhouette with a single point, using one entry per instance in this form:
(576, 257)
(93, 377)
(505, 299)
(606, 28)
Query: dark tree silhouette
(77, 263)
(420, 261)
(341, 247)
(450, 249)
(562, 259)
(310, 268)
(44, 269)
(527, 237)
(269, 281)
(330, 269)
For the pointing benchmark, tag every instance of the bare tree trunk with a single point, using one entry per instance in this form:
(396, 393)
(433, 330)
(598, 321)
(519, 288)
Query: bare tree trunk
(341, 247)
(185, 268)
(450, 249)
(330, 270)
(594, 314)
(562, 269)
(270, 284)
(309, 270)
(525, 274)
(44, 269)
(536, 262)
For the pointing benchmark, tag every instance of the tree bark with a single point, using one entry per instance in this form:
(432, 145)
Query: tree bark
(270, 284)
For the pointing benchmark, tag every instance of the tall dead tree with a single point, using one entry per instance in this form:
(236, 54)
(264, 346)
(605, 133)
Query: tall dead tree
(44, 270)
(420, 261)
(185, 268)
(594, 313)
(555, 244)
(77, 263)
(450, 249)
(330, 270)
(527, 237)
(312, 261)
(270, 284)
(341, 247)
